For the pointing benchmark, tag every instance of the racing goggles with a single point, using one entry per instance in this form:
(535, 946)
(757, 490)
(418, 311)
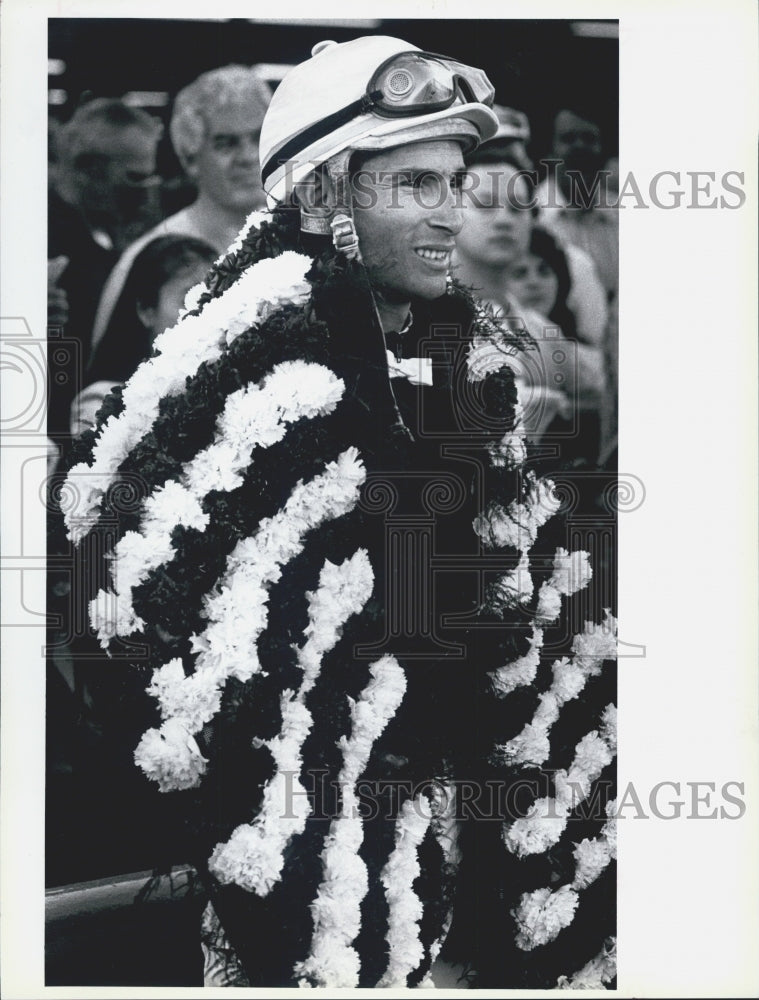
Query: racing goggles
(415, 83)
(407, 84)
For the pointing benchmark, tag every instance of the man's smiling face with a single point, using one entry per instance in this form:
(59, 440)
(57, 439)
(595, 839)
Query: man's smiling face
(407, 212)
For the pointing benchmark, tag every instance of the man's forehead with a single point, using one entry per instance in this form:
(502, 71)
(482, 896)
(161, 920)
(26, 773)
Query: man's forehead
(441, 155)
(237, 119)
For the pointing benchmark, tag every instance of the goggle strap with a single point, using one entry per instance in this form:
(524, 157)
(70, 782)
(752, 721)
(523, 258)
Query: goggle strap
(317, 131)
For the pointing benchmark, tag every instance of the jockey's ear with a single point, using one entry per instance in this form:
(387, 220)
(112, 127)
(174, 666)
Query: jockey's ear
(315, 196)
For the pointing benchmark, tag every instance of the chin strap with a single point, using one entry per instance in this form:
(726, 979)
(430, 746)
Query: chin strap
(344, 236)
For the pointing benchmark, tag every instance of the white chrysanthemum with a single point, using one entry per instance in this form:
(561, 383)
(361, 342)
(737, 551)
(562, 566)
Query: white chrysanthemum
(343, 591)
(253, 857)
(513, 588)
(112, 614)
(610, 827)
(518, 524)
(237, 608)
(261, 288)
(531, 746)
(405, 908)
(538, 830)
(238, 612)
(591, 858)
(171, 757)
(568, 680)
(254, 221)
(571, 572)
(542, 500)
(170, 505)
(549, 604)
(181, 350)
(545, 821)
(609, 726)
(542, 914)
(595, 644)
(521, 671)
(592, 755)
(196, 698)
(499, 527)
(510, 452)
(336, 910)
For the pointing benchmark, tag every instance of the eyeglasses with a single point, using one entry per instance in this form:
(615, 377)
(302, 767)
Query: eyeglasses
(413, 83)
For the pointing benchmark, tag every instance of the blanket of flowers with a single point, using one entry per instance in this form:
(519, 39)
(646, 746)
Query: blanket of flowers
(341, 801)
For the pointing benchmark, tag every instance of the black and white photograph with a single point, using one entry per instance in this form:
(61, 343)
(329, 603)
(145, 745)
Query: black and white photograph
(379, 500)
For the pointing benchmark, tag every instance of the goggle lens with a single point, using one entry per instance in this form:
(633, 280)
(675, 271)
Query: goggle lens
(414, 82)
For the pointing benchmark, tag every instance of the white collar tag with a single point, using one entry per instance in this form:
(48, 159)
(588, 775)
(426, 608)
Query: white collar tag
(417, 370)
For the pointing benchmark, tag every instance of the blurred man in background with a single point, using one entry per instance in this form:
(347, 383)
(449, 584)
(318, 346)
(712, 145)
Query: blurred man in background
(103, 196)
(574, 198)
(215, 128)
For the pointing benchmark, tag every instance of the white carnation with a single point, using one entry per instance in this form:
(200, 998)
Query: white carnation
(549, 604)
(531, 746)
(521, 671)
(595, 644)
(538, 830)
(406, 910)
(171, 757)
(542, 914)
(591, 858)
(336, 910)
(513, 588)
(510, 452)
(609, 726)
(196, 698)
(571, 572)
(181, 350)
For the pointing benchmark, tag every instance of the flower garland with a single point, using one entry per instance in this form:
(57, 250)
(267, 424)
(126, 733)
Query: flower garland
(519, 672)
(222, 536)
(398, 876)
(513, 588)
(237, 612)
(181, 350)
(517, 526)
(254, 416)
(255, 220)
(253, 856)
(337, 908)
(171, 757)
(571, 573)
(543, 913)
(532, 746)
(444, 826)
(546, 819)
(510, 452)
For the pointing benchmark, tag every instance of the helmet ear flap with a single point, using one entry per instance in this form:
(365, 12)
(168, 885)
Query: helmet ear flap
(324, 198)
(314, 198)
(344, 236)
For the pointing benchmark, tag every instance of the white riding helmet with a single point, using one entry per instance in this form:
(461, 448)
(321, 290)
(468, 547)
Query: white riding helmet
(370, 93)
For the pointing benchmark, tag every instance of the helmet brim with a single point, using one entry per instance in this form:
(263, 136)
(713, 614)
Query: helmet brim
(369, 131)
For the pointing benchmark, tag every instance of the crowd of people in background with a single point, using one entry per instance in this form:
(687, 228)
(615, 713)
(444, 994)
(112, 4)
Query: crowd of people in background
(539, 242)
